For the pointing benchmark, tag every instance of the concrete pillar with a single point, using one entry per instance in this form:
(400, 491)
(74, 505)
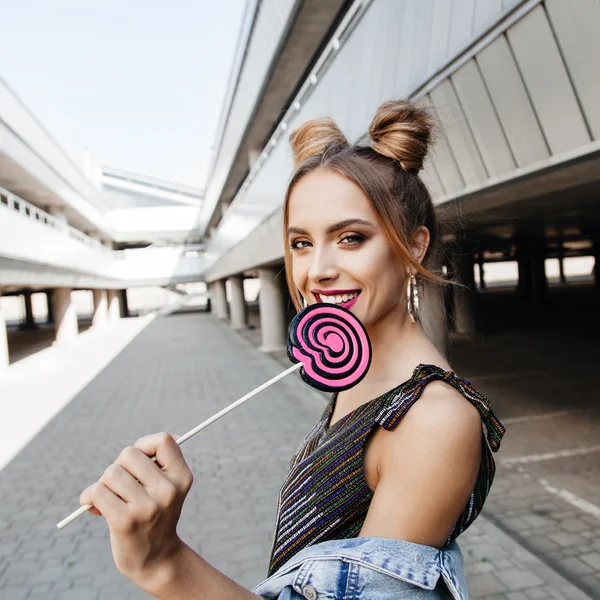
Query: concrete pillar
(272, 310)
(212, 288)
(100, 317)
(29, 321)
(65, 316)
(480, 263)
(114, 308)
(239, 311)
(533, 285)
(220, 300)
(4, 356)
(50, 308)
(561, 270)
(561, 265)
(464, 298)
(124, 305)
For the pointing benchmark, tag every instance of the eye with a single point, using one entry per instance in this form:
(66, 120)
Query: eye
(353, 239)
(294, 244)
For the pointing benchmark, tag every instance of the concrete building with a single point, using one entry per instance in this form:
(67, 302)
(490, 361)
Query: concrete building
(62, 231)
(515, 167)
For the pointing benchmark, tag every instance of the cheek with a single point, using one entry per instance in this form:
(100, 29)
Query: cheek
(375, 266)
(299, 274)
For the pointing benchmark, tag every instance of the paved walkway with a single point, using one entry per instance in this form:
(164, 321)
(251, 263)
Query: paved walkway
(177, 372)
(37, 387)
(544, 386)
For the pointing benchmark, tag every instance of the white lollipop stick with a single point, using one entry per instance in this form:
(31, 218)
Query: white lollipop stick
(189, 434)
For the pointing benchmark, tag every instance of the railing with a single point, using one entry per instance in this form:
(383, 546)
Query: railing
(30, 211)
(159, 265)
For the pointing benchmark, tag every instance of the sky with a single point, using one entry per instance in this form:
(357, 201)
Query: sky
(141, 83)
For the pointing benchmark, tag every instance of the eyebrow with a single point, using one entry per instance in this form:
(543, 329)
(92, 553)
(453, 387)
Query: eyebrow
(335, 227)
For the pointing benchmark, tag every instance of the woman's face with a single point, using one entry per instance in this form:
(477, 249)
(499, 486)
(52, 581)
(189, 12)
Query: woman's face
(339, 249)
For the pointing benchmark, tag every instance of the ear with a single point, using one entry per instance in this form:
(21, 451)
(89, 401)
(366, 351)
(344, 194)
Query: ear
(420, 243)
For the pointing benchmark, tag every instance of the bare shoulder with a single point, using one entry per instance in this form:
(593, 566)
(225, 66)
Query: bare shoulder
(442, 418)
(427, 468)
(441, 404)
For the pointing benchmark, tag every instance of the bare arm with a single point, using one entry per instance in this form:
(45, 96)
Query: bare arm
(189, 576)
(427, 470)
(141, 501)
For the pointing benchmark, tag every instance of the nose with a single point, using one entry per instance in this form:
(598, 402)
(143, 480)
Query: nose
(322, 266)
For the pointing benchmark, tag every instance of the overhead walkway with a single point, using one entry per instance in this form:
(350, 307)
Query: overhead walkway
(59, 225)
(63, 229)
(37, 249)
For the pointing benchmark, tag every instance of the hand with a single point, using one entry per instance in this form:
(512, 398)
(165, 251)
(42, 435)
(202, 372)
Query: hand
(142, 501)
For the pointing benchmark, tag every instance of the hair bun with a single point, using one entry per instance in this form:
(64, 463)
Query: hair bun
(401, 131)
(314, 137)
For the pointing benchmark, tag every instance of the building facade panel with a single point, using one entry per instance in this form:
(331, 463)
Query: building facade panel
(486, 13)
(443, 158)
(461, 25)
(421, 52)
(430, 177)
(440, 33)
(575, 25)
(548, 84)
(458, 133)
(404, 46)
(512, 103)
(490, 99)
(477, 105)
(387, 64)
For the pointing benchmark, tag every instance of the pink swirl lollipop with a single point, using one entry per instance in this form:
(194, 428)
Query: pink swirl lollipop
(333, 346)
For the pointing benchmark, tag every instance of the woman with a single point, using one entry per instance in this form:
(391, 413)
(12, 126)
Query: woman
(369, 509)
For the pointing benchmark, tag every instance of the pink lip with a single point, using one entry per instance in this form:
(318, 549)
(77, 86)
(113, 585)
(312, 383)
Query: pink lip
(350, 303)
(334, 292)
(346, 305)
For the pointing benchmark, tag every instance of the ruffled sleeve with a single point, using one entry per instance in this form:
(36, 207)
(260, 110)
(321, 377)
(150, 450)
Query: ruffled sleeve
(399, 403)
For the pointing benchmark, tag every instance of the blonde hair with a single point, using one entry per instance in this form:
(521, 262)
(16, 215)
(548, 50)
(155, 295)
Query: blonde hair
(386, 171)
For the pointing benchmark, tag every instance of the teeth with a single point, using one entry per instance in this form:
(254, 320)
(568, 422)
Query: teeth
(339, 299)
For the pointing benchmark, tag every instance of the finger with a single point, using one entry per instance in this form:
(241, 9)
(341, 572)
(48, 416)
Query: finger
(168, 456)
(121, 482)
(176, 437)
(140, 468)
(153, 488)
(106, 503)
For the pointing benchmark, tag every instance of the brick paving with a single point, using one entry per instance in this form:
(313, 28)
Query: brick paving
(544, 387)
(180, 370)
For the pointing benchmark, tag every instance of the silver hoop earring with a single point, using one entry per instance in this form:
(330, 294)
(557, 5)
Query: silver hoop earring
(304, 302)
(412, 298)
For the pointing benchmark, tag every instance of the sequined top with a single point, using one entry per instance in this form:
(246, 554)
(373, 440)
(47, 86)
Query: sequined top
(325, 495)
